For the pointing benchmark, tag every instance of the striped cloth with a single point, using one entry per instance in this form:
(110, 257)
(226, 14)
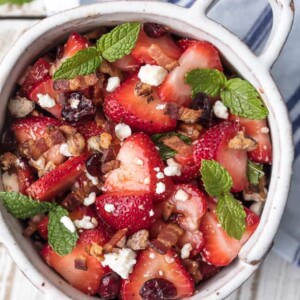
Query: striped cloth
(252, 22)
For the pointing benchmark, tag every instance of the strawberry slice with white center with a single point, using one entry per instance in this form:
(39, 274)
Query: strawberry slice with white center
(213, 144)
(138, 172)
(139, 112)
(220, 249)
(200, 55)
(151, 265)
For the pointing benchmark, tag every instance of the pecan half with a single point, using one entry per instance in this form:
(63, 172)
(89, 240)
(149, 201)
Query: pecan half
(190, 130)
(242, 142)
(188, 115)
(76, 144)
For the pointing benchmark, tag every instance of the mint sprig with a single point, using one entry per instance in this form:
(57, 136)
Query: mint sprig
(230, 213)
(237, 94)
(16, 2)
(254, 172)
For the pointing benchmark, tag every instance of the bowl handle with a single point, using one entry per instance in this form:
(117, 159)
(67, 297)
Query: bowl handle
(283, 15)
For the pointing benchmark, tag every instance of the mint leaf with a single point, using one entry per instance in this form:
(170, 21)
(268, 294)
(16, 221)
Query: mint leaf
(231, 216)
(216, 178)
(17, 2)
(165, 152)
(84, 62)
(119, 42)
(208, 81)
(159, 136)
(23, 207)
(243, 99)
(254, 172)
(61, 240)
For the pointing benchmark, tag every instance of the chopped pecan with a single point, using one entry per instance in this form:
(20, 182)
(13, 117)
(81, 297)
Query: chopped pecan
(76, 144)
(105, 140)
(96, 251)
(67, 130)
(82, 82)
(192, 267)
(109, 166)
(117, 237)
(139, 240)
(188, 115)
(176, 143)
(24, 149)
(8, 161)
(242, 142)
(143, 89)
(54, 136)
(190, 130)
(50, 166)
(94, 143)
(161, 58)
(81, 263)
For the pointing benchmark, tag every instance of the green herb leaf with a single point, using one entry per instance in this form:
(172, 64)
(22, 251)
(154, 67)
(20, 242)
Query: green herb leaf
(208, 81)
(159, 136)
(243, 99)
(17, 2)
(84, 62)
(216, 178)
(119, 42)
(61, 240)
(254, 172)
(231, 216)
(23, 207)
(165, 152)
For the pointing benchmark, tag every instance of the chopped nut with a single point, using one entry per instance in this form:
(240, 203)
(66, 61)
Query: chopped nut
(193, 268)
(50, 166)
(105, 140)
(94, 143)
(81, 263)
(96, 251)
(109, 166)
(122, 242)
(117, 237)
(38, 148)
(139, 240)
(67, 130)
(143, 89)
(188, 115)
(82, 82)
(242, 142)
(176, 143)
(24, 149)
(20, 107)
(8, 161)
(162, 59)
(190, 130)
(76, 144)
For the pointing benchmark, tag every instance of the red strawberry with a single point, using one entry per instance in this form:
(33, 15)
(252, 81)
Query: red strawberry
(220, 249)
(38, 72)
(198, 55)
(194, 238)
(42, 227)
(26, 175)
(140, 163)
(89, 129)
(213, 144)
(126, 63)
(131, 210)
(185, 43)
(141, 50)
(57, 181)
(207, 270)
(123, 105)
(74, 43)
(168, 267)
(32, 127)
(258, 130)
(87, 281)
(45, 87)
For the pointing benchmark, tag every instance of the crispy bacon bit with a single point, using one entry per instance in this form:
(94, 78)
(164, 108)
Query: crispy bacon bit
(38, 148)
(73, 200)
(175, 143)
(143, 89)
(190, 130)
(96, 251)
(81, 263)
(111, 153)
(167, 238)
(76, 144)
(117, 237)
(8, 160)
(110, 69)
(29, 230)
(188, 115)
(168, 210)
(111, 165)
(242, 142)
(139, 240)
(105, 140)
(193, 268)
(172, 110)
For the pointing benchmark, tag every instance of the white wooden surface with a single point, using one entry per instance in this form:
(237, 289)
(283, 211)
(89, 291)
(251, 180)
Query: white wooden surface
(275, 280)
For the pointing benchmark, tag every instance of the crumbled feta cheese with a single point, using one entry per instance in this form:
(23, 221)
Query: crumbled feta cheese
(20, 107)
(160, 188)
(152, 75)
(160, 175)
(90, 199)
(113, 83)
(151, 213)
(169, 259)
(160, 106)
(152, 255)
(86, 223)
(121, 261)
(10, 182)
(74, 103)
(64, 150)
(173, 169)
(185, 251)
(67, 222)
(157, 169)
(181, 195)
(122, 131)
(93, 179)
(147, 180)
(138, 161)
(265, 130)
(160, 273)
(46, 101)
(109, 207)
(220, 110)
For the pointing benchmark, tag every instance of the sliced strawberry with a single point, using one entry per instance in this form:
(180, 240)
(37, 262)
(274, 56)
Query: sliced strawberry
(258, 130)
(123, 105)
(45, 87)
(87, 281)
(186, 43)
(194, 238)
(127, 63)
(198, 55)
(38, 72)
(42, 227)
(89, 129)
(130, 210)
(26, 175)
(74, 43)
(220, 249)
(141, 50)
(140, 163)
(32, 127)
(213, 144)
(57, 181)
(168, 267)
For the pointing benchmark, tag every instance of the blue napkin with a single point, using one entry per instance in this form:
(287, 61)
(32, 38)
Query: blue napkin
(252, 22)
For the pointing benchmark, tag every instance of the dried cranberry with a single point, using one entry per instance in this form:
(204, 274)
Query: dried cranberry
(94, 164)
(8, 142)
(158, 289)
(109, 286)
(154, 30)
(77, 108)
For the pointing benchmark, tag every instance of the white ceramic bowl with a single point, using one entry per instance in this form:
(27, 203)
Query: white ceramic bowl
(192, 23)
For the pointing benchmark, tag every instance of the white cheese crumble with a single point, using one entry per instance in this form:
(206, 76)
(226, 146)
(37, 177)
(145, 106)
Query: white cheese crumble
(10, 182)
(64, 150)
(138, 162)
(152, 255)
(147, 180)
(93, 179)
(160, 175)
(152, 75)
(265, 130)
(90, 199)
(220, 110)
(74, 103)
(122, 131)
(121, 261)
(157, 169)
(160, 273)
(46, 101)
(20, 107)
(113, 83)
(173, 168)
(160, 106)
(160, 188)
(186, 250)
(109, 207)
(67, 222)
(151, 213)
(181, 195)
(86, 223)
